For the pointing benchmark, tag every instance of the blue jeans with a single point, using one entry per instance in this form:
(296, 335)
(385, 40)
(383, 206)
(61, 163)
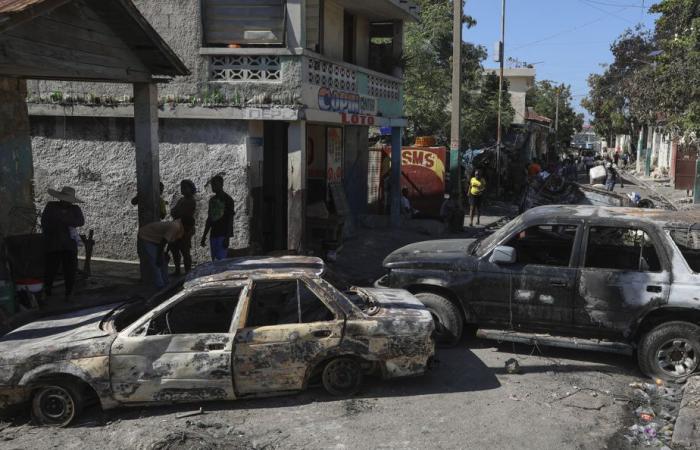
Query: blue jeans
(218, 247)
(610, 185)
(148, 253)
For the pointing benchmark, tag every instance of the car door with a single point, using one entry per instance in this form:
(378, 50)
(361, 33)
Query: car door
(181, 351)
(285, 325)
(538, 288)
(625, 272)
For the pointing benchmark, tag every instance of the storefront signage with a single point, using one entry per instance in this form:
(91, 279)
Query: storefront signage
(424, 159)
(348, 102)
(356, 119)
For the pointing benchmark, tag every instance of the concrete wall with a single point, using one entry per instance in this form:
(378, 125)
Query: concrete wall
(96, 156)
(332, 30)
(16, 195)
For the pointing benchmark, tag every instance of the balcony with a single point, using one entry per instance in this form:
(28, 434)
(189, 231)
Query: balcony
(310, 80)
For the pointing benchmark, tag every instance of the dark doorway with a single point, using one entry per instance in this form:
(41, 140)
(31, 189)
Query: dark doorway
(274, 220)
(349, 38)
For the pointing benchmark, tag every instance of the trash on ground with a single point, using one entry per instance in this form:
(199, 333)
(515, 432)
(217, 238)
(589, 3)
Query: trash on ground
(190, 413)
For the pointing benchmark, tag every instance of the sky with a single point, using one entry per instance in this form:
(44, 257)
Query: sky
(566, 40)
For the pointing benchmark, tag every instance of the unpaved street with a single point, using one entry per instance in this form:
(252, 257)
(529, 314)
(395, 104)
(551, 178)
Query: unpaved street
(563, 399)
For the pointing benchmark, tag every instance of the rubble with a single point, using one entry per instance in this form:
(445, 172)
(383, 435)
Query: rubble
(656, 412)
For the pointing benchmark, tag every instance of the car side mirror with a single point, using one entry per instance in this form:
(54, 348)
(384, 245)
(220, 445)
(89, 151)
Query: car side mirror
(503, 255)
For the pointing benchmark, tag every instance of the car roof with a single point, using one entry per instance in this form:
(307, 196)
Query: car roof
(658, 217)
(236, 268)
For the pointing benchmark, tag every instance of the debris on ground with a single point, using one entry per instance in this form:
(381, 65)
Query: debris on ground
(655, 406)
(513, 366)
(190, 413)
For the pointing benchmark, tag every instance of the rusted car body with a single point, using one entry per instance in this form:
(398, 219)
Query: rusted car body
(577, 276)
(236, 328)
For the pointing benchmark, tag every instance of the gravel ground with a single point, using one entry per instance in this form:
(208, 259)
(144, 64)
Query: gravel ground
(563, 399)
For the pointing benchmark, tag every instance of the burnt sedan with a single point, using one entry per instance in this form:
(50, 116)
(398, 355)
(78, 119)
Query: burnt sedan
(614, 279)
(235, 329)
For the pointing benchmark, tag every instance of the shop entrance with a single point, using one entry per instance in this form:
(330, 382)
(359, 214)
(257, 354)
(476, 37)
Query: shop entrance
(274, 220)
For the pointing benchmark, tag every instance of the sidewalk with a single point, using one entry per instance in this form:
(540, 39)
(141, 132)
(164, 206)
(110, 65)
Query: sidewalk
(687, 430)
(663, 188)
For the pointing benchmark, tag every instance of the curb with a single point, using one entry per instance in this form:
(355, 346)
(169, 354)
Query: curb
(687, 430)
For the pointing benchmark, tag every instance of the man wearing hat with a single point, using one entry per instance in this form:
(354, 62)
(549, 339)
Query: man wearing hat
(58, 225)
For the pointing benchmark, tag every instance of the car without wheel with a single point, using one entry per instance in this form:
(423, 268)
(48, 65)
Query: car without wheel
(234, 329)
(599, 278)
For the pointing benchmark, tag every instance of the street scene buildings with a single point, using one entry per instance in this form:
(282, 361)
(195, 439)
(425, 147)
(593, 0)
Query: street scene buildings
(348, 224)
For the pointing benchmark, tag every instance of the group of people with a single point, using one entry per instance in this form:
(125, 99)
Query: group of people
(61, 218)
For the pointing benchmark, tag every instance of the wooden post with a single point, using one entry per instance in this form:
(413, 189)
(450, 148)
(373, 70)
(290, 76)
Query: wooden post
(147, 161)
(395, 177)
(296, 186)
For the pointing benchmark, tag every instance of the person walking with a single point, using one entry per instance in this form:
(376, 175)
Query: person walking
(477, 187)
(152, 239)
(219, 220)
(59, 221)
(611, 176)
(185, 207)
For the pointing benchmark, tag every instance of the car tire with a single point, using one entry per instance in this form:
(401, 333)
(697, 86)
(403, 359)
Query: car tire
(447, 317)
(342, 376)
(57, 404)
(671, 351)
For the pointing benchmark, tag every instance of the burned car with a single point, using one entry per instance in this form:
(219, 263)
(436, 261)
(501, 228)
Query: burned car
(234, 329)
(616, 279)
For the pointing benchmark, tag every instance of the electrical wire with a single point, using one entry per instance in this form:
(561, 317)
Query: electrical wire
(611, 14)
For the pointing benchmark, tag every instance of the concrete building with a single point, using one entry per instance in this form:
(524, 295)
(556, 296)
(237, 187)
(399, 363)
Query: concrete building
(280, 99)
(520, 80)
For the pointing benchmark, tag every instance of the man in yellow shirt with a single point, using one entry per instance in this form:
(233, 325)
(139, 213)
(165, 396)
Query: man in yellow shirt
(477, 187)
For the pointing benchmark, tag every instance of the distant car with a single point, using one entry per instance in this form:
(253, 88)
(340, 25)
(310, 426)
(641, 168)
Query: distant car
(237, 328)
(615, 279)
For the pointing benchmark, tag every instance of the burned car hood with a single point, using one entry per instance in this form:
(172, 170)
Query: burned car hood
(72, 335)
(438, 252)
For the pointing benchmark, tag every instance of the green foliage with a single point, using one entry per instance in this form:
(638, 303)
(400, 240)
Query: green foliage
(428, 80)
(543, 98)
(654, 77)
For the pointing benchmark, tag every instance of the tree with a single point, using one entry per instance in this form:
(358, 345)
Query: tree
(542, 97)
(428, 80)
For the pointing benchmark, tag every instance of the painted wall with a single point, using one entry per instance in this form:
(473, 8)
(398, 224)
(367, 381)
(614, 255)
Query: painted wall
(96, 156)
(16, 191)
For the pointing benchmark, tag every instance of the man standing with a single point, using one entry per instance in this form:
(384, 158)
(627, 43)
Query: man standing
(58, 225)
(611, 176)
(219, 220)
(152, 239)
(185, 207)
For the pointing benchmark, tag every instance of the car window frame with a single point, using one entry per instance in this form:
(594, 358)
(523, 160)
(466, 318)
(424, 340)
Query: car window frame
(337, 312)
(676, 248)
(657, 243)
(575, 251)
(140, 327)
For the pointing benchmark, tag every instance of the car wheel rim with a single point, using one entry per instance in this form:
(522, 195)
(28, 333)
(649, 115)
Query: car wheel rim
(677, 357)
(342, 375)
(56, 405)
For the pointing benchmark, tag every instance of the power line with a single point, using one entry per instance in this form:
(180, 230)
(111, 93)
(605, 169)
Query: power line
(616, 5)
(578, 27)
(590, 3)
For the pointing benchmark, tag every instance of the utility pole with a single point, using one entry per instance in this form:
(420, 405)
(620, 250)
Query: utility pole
(556, 125)
(455, 163)
(501, 57)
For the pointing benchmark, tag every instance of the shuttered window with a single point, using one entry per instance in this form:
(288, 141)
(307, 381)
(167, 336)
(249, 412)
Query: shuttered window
(243, 22)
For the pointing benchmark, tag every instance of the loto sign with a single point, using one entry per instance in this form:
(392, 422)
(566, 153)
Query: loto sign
(356, 119)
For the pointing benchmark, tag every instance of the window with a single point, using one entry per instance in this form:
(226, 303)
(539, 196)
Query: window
(688, 242)
(285, 302)
(243, 22)
(546, 245)
(348, 38)
(621, 249)
(206, 311)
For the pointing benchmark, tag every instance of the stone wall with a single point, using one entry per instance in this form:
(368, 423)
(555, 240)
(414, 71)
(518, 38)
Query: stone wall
(16, 207)
(96, 156)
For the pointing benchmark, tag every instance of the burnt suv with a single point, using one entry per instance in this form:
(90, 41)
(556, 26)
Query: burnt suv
(618, 279)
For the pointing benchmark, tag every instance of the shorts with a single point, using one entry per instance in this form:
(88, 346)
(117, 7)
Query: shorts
(475, 200)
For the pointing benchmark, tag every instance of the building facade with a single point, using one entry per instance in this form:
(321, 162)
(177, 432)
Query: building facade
(280, 100)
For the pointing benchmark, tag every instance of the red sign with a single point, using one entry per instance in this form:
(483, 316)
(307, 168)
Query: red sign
(356, 119)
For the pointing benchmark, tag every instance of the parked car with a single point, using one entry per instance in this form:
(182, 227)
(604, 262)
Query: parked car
(236, 328)
(616, 279)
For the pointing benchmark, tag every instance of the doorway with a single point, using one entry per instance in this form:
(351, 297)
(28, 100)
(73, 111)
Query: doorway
(274, 220)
